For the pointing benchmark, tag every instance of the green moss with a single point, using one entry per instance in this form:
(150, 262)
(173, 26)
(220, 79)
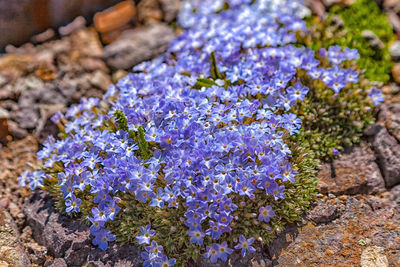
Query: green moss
(357, 18)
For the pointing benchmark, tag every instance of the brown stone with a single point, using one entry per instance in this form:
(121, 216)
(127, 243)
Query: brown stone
(390, 116)
(387, 150)
(352, 173)
(11, 250)
(325, 211)
(4, 131)
(170, 9)
(396, 72)
(114, 17)
(342, 241)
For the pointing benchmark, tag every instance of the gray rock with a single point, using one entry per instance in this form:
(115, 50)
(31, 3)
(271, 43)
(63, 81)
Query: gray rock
(394, 20)
(70, 239)
(170, 9)
(101, 80)
(15, 130)
(373, 40)
(4, 114)
(137, 45)
(26, 118)
(394, 50)
(55, 263)
(387, 150)
(11, 250)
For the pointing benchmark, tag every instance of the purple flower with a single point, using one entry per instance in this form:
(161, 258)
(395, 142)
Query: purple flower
(72, 204)
(222, 250)
(376, 96)
(196, 236)
(102, 237)
(265, 213)
(245, 245)
(147, 233)
(56, 117)
(212, 253)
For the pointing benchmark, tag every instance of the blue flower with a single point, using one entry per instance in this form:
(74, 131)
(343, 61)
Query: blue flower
(211, 253)
(102, 237)
(196, 236)
(146, 235)
(72, 204)
(376, 96)
(245, 245)
(265, 213)
(222, 250)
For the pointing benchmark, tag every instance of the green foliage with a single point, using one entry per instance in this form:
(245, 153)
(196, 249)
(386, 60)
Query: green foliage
(121, 119)
(362, 15)
(332, 121)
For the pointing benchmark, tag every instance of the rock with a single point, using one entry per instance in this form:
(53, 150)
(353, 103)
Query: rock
(101, 80)
(373, 40)
(374, 256)
(394, 50)
(325, 211)
(135, 46)
(4, 202)
(148, 12)
(329, 3)
(4, 116)
(390, 115)
(170, 9)
(387, 150)
(14, 209)
(391, 89)
(70, 239)
(3, 80)
(11, 251)
(337, 243)
(26, 118)
(394, 20)
(395, 197)
(396, 72)
(354, 172)
(373, 129)
(390, 4)
(16, 131)
(76, 24)
(45, 36)
(37, 253)
(93, 64)
(114, 17)
(55, 263)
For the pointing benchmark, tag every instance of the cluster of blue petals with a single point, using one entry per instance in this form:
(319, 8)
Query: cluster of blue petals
(213, 142)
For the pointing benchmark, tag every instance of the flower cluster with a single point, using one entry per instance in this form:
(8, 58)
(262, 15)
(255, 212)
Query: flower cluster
(196, 129)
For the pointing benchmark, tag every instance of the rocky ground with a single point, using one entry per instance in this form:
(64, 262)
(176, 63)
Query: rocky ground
(354, 222)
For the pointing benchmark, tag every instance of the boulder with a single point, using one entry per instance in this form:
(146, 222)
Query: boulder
(137, 45)
(387, 150)
(354, 172)
(70, 239)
